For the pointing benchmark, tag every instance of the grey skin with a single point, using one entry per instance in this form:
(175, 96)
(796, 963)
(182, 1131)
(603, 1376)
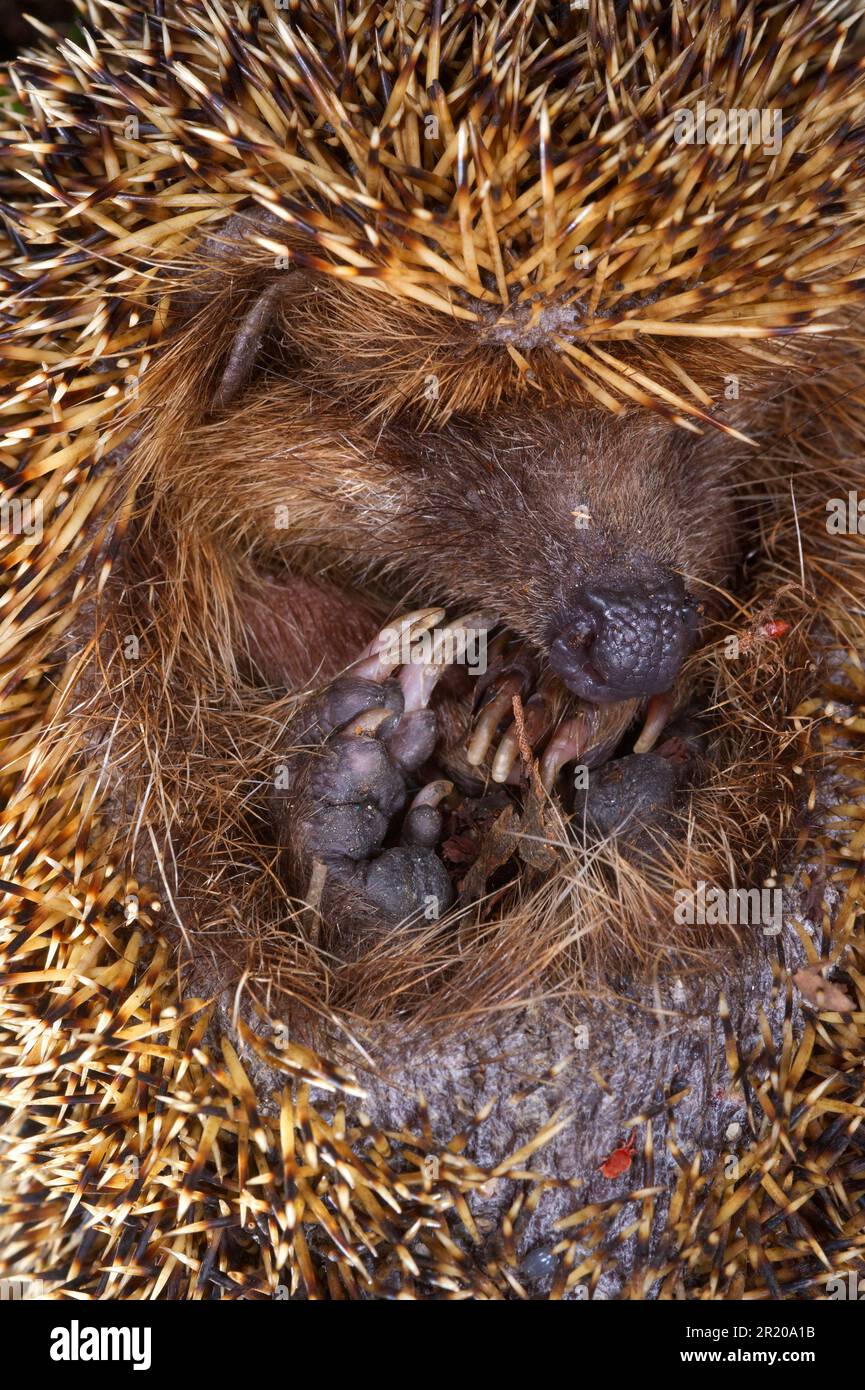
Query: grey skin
(359, 785)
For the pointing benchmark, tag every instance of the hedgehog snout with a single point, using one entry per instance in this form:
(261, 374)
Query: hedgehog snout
(623, 638)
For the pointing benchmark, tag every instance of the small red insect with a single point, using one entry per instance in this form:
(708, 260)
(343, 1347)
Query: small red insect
(619, 1161)
(774, 629)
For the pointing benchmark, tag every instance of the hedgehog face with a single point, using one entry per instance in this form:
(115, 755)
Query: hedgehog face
(339, 463)
(595, 539)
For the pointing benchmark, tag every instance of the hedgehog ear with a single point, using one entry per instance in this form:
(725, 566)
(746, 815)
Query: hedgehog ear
(246, 346)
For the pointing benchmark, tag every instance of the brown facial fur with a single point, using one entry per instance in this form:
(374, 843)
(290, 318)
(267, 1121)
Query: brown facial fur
(474, 503)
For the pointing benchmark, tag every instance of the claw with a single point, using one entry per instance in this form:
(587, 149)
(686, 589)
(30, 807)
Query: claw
(495, 651)
(490, 717)
(592, 737)
(535, 720)
(432, 793)
(568, 742)
(423, 823)
(506, 755)
(505, 660)
(384, 653)
(658, 713)
(367, 722)
(419, 679)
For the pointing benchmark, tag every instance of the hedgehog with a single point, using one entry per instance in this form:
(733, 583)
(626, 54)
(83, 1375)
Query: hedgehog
(432, 665)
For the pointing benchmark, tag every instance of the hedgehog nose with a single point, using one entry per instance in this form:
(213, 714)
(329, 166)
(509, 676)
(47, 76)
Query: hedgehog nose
(620, 641)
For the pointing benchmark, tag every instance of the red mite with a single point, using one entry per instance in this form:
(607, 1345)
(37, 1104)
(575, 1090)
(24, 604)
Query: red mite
(774, 629)
(619, 1161)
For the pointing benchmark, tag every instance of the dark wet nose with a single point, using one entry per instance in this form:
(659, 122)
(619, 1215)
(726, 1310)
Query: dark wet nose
(619, 641)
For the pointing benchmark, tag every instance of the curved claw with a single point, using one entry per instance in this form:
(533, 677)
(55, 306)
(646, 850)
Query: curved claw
(568, 742)
(536, 718)
(658, 713)
(384, 653)
(432, 793)
(489, 719)
(506, 661)
(423, 822)
(367, 722)
(419, 679)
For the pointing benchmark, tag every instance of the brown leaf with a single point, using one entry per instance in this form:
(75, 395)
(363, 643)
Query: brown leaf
(537, 847)
(822, 994)
(461, 848)
(497, 847)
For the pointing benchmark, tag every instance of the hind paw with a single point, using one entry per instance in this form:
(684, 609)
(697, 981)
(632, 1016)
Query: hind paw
(357, 806)
(359, 789)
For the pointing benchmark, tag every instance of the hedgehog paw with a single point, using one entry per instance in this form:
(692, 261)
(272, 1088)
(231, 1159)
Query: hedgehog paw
(358, 787)
(355, 814)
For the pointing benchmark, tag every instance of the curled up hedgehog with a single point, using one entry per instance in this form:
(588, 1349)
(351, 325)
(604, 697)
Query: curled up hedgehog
(432, 638)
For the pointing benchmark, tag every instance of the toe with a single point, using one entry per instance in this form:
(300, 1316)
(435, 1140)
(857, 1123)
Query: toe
(352, 695)
(422, 827)
(358, 770)
(413, 740)
(634, 791)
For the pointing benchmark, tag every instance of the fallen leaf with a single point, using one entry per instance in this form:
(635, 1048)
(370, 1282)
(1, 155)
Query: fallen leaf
(461, 848)
(496, 848)
(822, 994)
